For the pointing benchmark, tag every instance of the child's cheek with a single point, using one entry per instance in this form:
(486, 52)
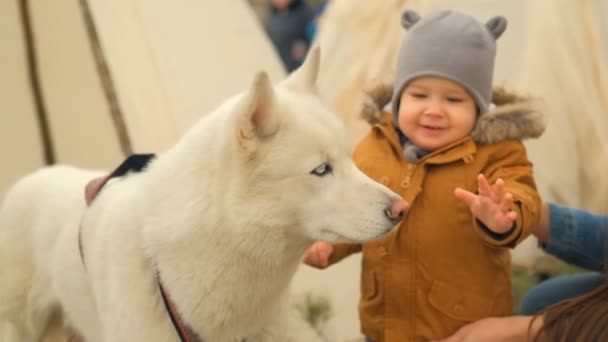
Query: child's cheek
(404, 120)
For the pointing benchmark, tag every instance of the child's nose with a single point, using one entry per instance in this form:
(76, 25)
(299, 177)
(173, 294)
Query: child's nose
(434, 108)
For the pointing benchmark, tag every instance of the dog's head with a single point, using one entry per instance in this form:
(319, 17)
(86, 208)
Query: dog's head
(292, 165)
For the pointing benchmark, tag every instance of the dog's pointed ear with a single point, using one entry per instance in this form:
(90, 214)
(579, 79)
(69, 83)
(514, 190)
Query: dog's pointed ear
(305, 77)
(259, 118)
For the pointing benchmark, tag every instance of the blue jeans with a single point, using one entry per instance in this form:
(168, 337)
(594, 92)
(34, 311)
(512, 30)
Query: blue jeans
(557, 289)
(579, 238)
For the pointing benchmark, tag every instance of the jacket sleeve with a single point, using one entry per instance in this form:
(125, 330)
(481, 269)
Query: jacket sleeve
(510, 163)
(577, 237)
(341, 251)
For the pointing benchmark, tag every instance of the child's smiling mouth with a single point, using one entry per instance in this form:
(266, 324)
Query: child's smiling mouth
(432, 129)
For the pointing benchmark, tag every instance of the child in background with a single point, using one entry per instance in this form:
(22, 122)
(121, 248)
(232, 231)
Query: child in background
(460, 164)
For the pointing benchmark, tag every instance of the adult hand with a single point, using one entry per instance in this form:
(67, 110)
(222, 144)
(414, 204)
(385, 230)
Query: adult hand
(499, 329)
(318, 255)
(542, 229)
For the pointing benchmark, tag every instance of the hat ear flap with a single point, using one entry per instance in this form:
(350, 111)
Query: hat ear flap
(409, 18)
(497, 26)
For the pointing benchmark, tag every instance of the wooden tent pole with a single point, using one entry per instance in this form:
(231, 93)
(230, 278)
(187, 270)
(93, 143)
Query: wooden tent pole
(105, 77)
(35, 84)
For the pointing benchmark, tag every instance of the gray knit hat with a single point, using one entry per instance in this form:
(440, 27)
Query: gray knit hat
(452, 45)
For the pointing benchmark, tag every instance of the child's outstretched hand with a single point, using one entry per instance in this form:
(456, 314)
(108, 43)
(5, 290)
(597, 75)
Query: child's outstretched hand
(318, 254)
(493, 206)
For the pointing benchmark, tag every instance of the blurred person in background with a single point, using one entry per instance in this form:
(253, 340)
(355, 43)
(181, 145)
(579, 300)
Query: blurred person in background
(287, 26)
(313, 27)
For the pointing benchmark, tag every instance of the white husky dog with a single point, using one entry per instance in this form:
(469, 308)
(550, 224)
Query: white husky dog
(220, 222)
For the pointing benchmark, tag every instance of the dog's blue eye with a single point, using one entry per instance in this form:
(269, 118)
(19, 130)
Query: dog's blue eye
(322, 170)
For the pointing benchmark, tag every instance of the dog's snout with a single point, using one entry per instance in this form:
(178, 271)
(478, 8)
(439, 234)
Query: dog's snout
(397, 210)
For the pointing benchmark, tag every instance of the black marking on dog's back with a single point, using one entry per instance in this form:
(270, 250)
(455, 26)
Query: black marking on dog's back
(134, 163)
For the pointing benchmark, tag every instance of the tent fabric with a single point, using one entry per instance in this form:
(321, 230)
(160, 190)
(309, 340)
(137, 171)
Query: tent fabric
(169, 64)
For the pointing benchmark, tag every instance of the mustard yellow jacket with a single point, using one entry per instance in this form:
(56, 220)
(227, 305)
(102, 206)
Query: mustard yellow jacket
(440, 269)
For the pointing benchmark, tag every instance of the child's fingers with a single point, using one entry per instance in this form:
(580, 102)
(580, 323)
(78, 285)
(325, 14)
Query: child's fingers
(322, 257)
(466, 197)
(512, 215)
(507, 202)
(318, 255)
(499, 190)
(484, 186)
(324, 251)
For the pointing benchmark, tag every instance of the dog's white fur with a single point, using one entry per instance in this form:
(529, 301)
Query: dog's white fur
(224, 217)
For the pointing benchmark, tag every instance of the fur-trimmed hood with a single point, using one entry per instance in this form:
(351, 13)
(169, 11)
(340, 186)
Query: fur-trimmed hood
(514, 116)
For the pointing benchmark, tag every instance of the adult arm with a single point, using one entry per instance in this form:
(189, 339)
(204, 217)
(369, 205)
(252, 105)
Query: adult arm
(498, 329)
(575, 236)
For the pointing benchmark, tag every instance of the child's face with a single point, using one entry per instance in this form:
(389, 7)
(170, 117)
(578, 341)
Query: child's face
(434, 112)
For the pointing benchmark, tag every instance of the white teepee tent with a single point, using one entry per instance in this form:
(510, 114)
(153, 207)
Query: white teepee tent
(87, 81)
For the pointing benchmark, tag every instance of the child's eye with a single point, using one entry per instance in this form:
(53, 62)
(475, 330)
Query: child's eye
(418, 95)
(454, 99)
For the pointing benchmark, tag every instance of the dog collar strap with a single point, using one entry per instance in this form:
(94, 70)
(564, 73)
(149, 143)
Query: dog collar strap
(185, 333)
